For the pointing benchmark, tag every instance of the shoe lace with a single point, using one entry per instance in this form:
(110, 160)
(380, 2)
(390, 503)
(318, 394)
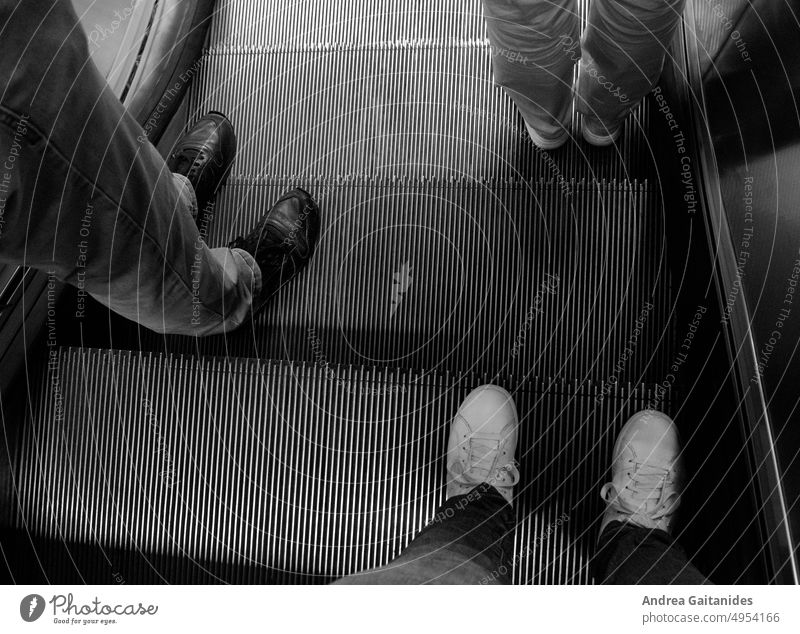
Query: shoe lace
(482, 453)
(647, 494)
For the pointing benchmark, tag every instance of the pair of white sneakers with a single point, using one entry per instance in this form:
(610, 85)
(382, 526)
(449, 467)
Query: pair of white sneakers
(595, 131)
(646, 470)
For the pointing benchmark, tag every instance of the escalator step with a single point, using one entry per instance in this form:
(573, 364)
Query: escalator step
(396, 108)
(246, 24)
(305, 81)
(148, 467)
(510, 279)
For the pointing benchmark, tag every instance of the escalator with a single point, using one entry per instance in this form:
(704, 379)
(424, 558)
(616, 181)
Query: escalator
(310, 443)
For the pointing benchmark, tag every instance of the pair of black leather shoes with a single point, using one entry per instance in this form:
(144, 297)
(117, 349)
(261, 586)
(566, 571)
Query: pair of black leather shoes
(283, 241)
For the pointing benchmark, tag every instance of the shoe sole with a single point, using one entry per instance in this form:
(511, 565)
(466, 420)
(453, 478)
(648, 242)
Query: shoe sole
(603, 140)
(546, 144)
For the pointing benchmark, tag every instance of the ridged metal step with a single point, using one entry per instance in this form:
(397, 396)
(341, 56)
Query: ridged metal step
(399, 109)
(508, 278)
(246, 24)
(155, 468)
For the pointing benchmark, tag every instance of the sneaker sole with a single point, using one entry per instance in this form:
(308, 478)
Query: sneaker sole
(546, 144)
(601, 140)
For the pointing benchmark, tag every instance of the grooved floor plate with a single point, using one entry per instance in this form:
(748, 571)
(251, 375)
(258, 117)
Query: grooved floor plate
(241, 471)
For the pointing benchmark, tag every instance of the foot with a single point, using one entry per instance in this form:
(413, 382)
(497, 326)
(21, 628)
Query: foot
(483, 439)
(598, 133)
(282, 242)
(547, 142)
(646, 473)
(205, 155)
(595, 131)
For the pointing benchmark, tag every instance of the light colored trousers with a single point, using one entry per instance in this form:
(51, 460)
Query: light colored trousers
(536, 43)
(85, 196)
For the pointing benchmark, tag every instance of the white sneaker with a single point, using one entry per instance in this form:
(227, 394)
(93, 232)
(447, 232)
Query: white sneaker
(646, 473)
(595, 131)
(598, 133)
(547, 142)
(483, 439)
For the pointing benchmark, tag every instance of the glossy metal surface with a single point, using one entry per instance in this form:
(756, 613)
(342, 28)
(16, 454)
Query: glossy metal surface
(115, 31)
(749, 57)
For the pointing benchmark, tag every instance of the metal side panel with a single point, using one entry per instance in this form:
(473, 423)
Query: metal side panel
(156, 468)
(167, 63)
(749, 182)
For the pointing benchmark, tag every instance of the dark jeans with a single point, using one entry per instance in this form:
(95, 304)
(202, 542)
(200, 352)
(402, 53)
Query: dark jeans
(628, 554)
(470, 541)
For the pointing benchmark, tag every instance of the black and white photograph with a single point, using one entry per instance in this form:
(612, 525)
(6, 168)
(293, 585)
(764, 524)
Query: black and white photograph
(305, 300)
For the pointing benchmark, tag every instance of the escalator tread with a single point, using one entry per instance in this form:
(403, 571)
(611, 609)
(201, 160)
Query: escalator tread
(289, 473)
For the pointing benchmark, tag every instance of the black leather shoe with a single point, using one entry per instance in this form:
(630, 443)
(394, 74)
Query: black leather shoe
(282, 242)
(205, 155)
